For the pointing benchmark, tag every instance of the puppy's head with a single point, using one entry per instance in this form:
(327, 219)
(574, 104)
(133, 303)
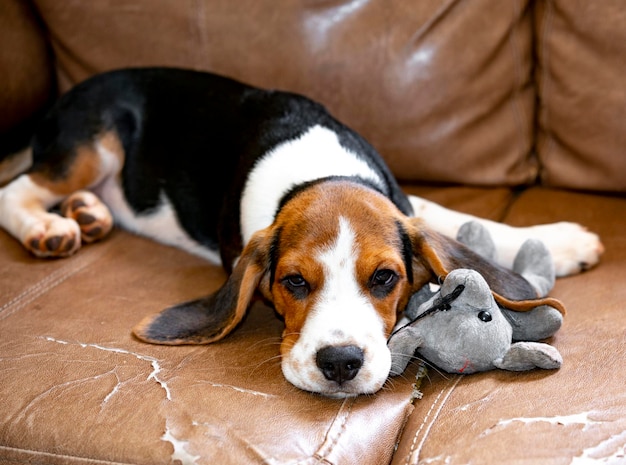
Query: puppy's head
(340, 270)
(338, 264)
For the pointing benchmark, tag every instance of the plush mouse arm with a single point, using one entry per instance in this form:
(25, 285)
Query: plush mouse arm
(523, 356)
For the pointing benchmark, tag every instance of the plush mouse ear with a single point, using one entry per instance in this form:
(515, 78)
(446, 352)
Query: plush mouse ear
(211, 318)
(524, 356)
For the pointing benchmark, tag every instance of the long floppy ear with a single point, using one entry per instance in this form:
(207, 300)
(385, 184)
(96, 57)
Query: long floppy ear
(435, 255)
(211, 318)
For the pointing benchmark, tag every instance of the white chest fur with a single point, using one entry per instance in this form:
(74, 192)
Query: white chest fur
(316, 154)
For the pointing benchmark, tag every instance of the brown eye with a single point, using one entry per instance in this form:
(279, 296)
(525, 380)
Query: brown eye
(295, 280)
(383, 277)
(382, 282)
(296, 285)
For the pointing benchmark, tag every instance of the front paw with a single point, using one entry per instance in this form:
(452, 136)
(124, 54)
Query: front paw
(52, 237)
(573, 247)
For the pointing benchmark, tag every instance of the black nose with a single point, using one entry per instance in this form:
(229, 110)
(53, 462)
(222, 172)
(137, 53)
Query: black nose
(339, 363)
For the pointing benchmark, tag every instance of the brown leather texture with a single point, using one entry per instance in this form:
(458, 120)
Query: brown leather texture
(580, 80)
(25, 62)
(488, 94)
(442, 88)
(75, 383)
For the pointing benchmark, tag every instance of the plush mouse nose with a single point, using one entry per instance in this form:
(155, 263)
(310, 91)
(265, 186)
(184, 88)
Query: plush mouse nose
(339, 363)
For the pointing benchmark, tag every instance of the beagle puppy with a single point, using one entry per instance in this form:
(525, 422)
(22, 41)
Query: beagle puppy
(298, 208)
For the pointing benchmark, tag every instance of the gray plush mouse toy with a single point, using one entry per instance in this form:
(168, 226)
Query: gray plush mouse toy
(461, 329)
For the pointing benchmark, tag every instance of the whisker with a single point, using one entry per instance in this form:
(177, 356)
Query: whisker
(265, 343)
(430, 365)
(265, 362)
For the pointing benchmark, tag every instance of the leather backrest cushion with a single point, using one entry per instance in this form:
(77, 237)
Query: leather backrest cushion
(581, 80)
(26, 72)
(443, 89)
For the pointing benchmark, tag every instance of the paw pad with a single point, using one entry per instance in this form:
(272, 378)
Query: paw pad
(53, 237)
(93, 217)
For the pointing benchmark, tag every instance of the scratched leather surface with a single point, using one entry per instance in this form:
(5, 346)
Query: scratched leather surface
(75, 383)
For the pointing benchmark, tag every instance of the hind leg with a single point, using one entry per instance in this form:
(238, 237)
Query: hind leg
(24, 214)
(573, 248)
(93, 217)
(26, 201)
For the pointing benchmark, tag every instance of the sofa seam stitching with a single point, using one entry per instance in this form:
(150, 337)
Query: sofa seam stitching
(415, 448)
(41, 287)
(545, 86)
(322, 454)
(522, 127)
(49, 454)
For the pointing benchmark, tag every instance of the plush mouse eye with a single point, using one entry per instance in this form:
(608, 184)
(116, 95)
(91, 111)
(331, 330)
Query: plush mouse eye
(297, 285)
(382, 282)
(484, 316)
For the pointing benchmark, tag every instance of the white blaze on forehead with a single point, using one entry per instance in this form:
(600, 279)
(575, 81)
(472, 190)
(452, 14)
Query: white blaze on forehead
(342, 315)
(343, 311)
(339, 261)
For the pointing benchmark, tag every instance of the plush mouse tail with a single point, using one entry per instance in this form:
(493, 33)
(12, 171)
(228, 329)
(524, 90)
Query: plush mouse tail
(527, 305)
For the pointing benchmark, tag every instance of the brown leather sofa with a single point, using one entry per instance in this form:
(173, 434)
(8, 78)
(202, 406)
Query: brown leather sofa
(513, 110)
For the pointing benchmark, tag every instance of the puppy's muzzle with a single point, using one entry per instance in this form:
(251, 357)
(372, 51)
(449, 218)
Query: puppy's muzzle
(339, 363)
